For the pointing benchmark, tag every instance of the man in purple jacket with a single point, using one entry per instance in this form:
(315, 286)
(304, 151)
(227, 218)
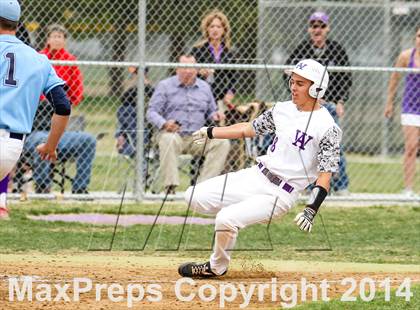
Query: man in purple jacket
(181, 105)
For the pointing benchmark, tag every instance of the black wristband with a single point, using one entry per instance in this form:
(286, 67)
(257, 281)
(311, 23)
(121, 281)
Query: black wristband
(316, 197)
(210, 132)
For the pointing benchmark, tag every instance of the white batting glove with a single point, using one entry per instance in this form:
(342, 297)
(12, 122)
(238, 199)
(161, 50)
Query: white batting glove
(200, 136)
(305, 220)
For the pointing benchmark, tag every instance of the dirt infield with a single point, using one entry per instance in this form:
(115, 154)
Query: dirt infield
(158, 277)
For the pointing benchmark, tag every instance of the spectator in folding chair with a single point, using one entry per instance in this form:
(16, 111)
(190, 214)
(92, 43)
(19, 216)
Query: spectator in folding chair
(180, 105)
(77, 145)
(55, 49)
(126, 133)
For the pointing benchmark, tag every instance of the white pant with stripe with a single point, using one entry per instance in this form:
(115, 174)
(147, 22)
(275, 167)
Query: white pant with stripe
(249, 198)
(10, 150)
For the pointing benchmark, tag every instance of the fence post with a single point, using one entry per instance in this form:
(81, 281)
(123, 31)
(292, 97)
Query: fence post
(387, 56)
(138, 194)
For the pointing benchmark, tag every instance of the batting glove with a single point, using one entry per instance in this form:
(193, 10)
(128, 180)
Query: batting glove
(200, 136)
(304, 220)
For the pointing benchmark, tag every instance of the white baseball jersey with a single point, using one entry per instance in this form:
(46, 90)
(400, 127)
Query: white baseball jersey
(304, 144)
(245, 197)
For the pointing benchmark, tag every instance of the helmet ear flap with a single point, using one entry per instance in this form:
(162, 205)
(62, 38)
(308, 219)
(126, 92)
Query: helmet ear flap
(316, 91)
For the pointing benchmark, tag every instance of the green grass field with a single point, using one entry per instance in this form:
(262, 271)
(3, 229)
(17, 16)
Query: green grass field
(371, 234)
(368, 236)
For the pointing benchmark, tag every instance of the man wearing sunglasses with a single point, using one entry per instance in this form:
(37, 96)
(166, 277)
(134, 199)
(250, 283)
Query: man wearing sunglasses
(331, 53)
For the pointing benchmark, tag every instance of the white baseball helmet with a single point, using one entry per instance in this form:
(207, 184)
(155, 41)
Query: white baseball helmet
(313, 71)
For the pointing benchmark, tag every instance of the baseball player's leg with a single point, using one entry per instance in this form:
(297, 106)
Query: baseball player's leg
(4, 212)
(411, 139)
(248, 199)
(84, 162)
(210, 196)
(10, 150)
(213, 194)
(3, 192)
(41, 168)
(82, 147)
(170, 147)
(256, 209)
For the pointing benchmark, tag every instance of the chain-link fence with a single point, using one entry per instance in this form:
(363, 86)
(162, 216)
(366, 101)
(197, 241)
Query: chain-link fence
(110, 39)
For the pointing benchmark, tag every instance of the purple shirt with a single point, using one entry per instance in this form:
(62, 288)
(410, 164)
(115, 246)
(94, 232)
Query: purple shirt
(216, 56)
(190, 105)
(411, 99)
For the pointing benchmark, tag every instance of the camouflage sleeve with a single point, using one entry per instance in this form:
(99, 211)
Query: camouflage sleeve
(329, 150)
(264, 123)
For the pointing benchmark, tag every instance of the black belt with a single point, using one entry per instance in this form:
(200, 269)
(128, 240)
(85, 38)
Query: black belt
(275, 179)
(18, 136)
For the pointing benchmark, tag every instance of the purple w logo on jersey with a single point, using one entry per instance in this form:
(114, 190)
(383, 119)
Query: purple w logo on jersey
(302, 139)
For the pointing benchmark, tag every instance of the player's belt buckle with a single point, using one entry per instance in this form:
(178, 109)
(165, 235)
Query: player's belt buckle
(275, 179)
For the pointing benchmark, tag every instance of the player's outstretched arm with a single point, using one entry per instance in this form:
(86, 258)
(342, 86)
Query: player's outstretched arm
(47, 150)
(305, 220)
(59, 121)
(236, 131)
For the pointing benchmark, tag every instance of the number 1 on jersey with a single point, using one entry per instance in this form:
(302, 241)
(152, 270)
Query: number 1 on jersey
(9, 80)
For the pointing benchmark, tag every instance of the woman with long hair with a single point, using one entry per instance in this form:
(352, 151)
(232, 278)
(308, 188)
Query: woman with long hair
(215, 47)
(410, 111)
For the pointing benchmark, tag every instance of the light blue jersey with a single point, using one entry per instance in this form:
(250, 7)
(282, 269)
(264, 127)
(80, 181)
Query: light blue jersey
(24, 76)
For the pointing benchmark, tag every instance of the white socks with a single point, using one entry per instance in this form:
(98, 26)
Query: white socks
(3, 197)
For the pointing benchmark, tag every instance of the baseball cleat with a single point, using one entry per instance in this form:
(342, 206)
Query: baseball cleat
(194, 270)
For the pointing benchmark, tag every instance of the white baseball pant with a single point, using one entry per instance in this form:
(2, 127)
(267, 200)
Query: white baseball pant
(249, 198)
(10, 150)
